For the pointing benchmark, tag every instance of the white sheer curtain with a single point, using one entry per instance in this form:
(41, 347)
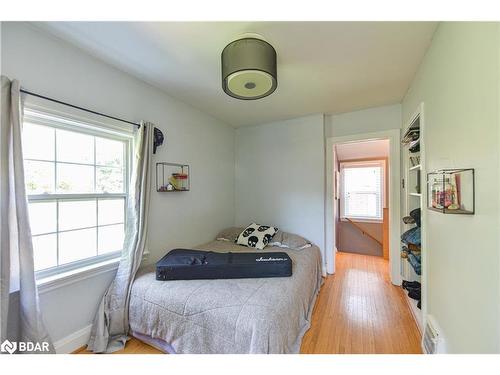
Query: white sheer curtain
(19, 306)
(110, 327)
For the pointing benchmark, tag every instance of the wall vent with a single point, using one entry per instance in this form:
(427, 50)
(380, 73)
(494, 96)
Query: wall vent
(432, 340)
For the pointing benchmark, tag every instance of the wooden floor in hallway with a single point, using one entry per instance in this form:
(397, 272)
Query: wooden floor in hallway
(358, 311)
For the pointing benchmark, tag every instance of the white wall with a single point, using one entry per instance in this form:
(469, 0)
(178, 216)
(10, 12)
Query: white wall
(363, 121)
(49, 66)
(280, 176)
(458, 83)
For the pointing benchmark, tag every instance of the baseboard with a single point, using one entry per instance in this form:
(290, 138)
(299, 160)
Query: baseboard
(74, 341)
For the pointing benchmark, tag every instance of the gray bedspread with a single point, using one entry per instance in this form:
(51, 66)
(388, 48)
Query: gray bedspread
(267, 315)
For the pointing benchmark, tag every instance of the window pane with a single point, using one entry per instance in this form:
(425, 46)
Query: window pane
(75, 147)
(109, 180)
(77, 245)
(362, 205)
(363, 191)
(363, 179)
(74, 178)
(43, 217)
(111, 211)
(39, 177)
(45, 251)
(109, 152)
(38, 142)
(110, 238)
(77, 214)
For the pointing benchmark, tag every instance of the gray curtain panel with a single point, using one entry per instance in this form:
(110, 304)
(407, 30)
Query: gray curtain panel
(110, 327)
(20, 309)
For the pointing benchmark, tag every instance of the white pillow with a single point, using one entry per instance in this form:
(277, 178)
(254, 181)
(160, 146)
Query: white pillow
(289, 241)
(256, 235)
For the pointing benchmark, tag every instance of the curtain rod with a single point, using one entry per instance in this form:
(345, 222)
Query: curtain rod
(77, 107)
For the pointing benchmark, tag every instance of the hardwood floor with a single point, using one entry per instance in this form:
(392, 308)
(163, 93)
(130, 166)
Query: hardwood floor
(358, 311)
(133, 346)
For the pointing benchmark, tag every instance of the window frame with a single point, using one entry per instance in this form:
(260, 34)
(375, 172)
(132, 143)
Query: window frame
(92, 128)
(362, 164)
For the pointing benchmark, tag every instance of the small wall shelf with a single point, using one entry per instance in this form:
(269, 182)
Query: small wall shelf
(451, 191)
(172, 177)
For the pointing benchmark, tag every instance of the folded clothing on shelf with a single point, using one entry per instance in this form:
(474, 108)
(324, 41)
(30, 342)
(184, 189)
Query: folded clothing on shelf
(412, 236)
(414, 261)
(410, 284)
(415, 293)
(414, 289)
(413, 248)
(413, 217)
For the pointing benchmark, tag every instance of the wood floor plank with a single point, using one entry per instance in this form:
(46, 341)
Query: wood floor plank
(357, 311)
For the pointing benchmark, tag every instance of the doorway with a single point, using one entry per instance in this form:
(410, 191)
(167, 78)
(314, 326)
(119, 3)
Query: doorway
(359, 158)
(360, 197)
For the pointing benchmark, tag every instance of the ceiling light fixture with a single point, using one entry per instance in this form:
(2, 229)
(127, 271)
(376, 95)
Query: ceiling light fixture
(249, 68)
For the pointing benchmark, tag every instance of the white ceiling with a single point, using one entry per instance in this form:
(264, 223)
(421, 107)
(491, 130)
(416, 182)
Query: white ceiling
(363, 150)
(323, 67)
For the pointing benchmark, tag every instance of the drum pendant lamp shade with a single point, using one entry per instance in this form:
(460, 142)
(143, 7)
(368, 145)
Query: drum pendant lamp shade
(249, 69)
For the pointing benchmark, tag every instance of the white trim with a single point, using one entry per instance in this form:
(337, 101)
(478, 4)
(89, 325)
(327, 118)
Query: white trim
(60, 280)
(71, 116)
(394, 171)
(362, 164)
(80, 125)
(362, 220)
(73, 341)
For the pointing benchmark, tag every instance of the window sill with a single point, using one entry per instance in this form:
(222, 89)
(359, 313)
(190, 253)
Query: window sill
(62, 279)
(362, 220)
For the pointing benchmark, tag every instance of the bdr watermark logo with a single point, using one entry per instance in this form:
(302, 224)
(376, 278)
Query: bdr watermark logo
(23, 346)
(8, 347)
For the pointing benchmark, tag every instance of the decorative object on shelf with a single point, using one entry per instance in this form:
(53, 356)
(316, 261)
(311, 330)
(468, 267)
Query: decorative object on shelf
(451, 191)
(158, 139)
(249, 68)
(172, 177)
(412, 134)
(414, 161)
(414, 146)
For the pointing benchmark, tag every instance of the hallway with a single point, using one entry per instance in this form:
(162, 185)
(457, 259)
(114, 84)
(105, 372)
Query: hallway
(359, 311)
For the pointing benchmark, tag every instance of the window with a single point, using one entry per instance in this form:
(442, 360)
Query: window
(76, 178)
(362, 190)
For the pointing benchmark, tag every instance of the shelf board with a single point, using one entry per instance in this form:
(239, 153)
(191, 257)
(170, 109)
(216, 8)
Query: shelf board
(171, 191)
(415, 168)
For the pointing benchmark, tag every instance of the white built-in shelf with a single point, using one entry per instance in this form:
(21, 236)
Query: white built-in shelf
(415, 168)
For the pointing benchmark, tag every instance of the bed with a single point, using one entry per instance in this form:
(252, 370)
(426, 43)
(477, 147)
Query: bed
(263, 315)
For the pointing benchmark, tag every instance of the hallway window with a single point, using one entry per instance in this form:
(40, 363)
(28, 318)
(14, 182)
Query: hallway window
(362, 190)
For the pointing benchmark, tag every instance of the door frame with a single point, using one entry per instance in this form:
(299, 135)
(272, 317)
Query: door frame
(394, 170)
